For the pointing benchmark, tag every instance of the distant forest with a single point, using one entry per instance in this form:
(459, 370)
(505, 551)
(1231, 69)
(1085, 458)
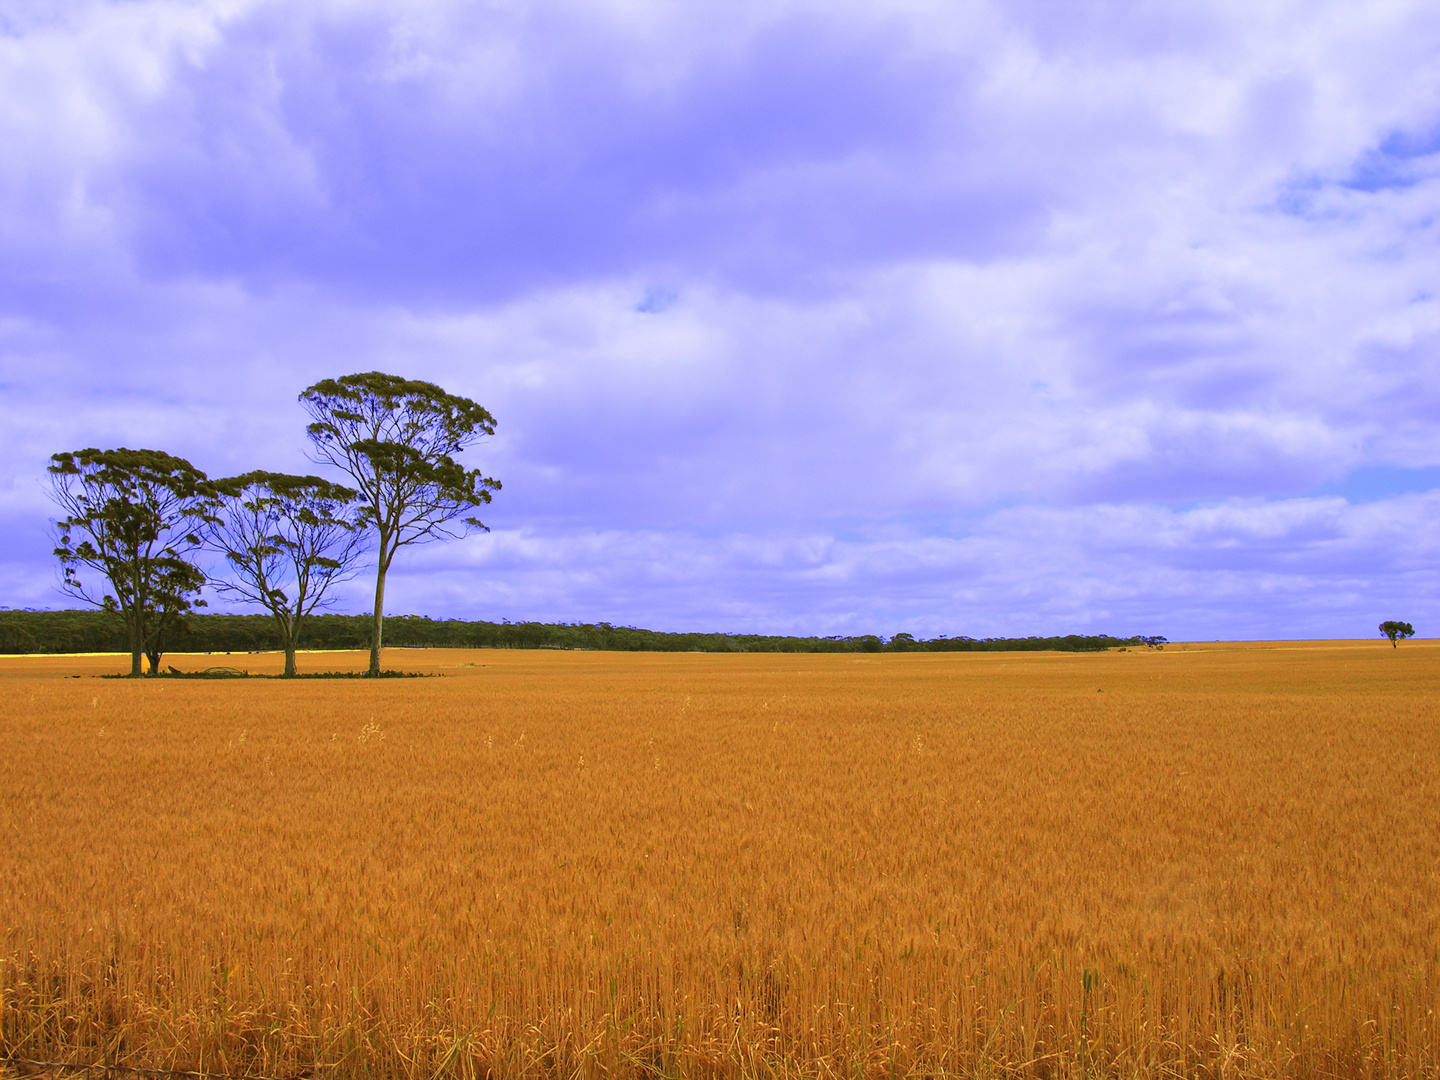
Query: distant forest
(99, 631)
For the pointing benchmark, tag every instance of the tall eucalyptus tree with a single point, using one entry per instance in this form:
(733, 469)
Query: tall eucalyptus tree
(397, 439)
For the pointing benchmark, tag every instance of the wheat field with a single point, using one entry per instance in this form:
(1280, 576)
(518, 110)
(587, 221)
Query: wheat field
(1215, 861)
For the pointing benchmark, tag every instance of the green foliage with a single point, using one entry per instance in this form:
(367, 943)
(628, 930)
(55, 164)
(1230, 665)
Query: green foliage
(17, 639)
(396, 438)
(130, 517)
(1396, 631)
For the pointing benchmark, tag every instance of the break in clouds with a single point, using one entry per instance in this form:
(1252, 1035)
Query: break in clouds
(977, 318)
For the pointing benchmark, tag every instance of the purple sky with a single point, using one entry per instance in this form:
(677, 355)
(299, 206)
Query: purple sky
(1030, 316)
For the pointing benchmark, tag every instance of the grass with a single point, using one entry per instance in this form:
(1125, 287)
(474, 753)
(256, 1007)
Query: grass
(1207, 861)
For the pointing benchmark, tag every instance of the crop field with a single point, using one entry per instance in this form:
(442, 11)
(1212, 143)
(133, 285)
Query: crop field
(1218, 861)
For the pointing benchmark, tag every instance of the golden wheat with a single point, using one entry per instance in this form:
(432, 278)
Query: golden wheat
(1202, 861)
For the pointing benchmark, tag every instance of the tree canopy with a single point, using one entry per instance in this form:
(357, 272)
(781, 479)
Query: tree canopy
(95, 631)
(1396, 631)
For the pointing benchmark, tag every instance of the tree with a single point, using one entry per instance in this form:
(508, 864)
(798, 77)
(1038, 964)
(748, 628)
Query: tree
(1396, 631)
(286, 539)
(130, 516)
(396, 439)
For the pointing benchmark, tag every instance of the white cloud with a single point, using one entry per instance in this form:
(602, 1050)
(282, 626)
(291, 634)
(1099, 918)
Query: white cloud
(1293, 568)
(967, 307)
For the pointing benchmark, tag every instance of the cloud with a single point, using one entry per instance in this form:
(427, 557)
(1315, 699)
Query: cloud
(451, 158)
(1316, 567)
(834, 307)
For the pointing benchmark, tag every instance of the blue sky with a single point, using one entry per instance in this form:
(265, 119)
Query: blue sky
(965, 317)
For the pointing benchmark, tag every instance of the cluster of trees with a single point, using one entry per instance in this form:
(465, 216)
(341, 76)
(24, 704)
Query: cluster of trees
(92, 631)
(134, 522)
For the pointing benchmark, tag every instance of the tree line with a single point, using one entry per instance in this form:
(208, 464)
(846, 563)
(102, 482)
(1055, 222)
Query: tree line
(99, 631)
(135, 523)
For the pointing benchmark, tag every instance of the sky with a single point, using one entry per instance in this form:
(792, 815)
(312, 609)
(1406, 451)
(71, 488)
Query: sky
(802, 316)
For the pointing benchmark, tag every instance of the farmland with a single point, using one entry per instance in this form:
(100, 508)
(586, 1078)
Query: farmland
(1208, 860)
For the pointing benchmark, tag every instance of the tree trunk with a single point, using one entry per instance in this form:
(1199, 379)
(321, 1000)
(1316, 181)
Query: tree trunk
(137, 649)
(378, 625)
(289, 624)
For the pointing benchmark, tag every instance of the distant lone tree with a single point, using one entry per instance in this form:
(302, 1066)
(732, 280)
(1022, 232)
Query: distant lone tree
(130, 517)
(1396, 631)
(286, 540)
(397, 440)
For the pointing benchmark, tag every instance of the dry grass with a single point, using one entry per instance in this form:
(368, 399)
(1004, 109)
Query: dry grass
(1207, 861)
